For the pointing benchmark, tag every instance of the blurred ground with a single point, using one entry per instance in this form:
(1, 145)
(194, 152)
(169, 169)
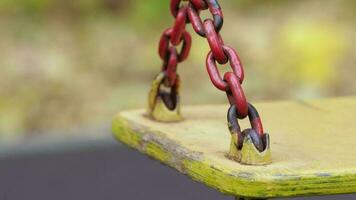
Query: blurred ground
(106, 173)
(68, 64)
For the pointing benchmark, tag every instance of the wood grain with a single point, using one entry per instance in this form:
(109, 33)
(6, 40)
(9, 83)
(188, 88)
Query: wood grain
(313, 147)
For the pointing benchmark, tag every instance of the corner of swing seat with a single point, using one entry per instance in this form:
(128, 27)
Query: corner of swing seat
(312, 146)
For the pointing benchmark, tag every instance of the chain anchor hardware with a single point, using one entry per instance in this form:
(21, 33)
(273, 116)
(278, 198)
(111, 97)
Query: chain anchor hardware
(250, 146)
(163, 101)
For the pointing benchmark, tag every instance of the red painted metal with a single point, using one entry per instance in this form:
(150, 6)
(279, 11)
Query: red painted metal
(256, 127)
(171, 66)
(196, 21)
(236, 94)
(215, 42)
(216, 11)
(199, 4)
(179, 26)
(235, 64)
(219, 53)
(165, 41)
(174, 6)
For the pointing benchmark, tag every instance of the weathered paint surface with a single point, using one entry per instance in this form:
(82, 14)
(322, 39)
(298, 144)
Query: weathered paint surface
(313, 147)
(156, 107)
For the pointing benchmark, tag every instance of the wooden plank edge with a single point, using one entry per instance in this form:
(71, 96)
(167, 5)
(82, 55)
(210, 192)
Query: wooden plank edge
(193, 164)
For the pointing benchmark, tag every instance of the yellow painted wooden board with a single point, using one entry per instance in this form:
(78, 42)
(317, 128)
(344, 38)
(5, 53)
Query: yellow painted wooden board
(313, 147)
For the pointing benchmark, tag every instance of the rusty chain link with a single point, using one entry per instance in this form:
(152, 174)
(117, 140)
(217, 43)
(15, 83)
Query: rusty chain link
(189, 12)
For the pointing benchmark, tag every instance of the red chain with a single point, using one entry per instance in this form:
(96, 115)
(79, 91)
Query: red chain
(173, 37)
(219, 53)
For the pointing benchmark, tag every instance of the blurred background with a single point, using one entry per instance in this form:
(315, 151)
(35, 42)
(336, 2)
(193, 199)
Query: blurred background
(71, 64)
(68, 66)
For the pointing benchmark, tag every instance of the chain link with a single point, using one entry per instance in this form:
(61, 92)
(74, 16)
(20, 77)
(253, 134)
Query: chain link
(213, 71)
(209, 28)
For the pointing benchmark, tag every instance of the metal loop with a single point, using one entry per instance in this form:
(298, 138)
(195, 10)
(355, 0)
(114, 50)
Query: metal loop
(170, 68)
(197, 22)
(169, 94)
(236, 94)
(235, 64)
(215, 10)
(199, 4)
(179, 26)
(164, 45)
(215, 42)
(174, 6)
(255, 120)
(234, 127)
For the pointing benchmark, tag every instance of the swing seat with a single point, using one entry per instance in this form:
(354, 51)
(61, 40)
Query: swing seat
(313, 147)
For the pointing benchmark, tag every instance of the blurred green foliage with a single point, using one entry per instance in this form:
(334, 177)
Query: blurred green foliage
(75, 63)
